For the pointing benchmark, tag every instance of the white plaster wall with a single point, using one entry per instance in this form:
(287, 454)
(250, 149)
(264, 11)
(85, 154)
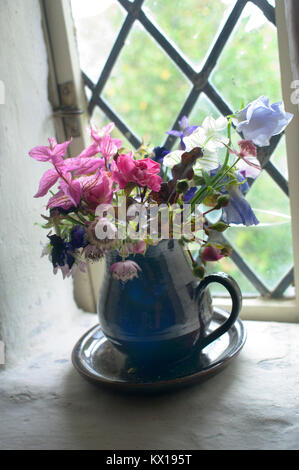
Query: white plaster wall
(32, 298)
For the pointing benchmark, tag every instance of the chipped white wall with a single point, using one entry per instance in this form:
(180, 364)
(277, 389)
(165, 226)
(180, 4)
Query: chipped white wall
(32, 298)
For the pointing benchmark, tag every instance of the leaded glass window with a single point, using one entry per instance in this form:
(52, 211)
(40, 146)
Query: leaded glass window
(146, 63)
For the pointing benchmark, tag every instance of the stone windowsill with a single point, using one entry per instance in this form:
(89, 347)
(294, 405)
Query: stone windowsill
(252, 404)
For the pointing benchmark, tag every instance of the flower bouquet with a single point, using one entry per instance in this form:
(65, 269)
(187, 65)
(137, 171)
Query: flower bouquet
(110, 199)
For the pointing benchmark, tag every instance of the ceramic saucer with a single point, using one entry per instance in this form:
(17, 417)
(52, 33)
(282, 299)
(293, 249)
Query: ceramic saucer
(100, 362)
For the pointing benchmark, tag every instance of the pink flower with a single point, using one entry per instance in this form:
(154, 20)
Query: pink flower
(67, 271)
(97, 189)
(84, 165)
(107, 147)
(50, 177)
(247, 147)
(94, 190)
(248, 167)
(60, 200)
(145, 174)
(139, 247)
(122, 169)
(125, 270)
(99, 135)
(89, 151)
(72, 188)
(210, 253)
(134, 248)
(54, 152)
(142, 172)
(248, 164)
(48, 180)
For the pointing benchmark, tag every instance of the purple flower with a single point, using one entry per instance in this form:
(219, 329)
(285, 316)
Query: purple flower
(190, 193)
(59, 251)
(239, 211)
(77, 237)
(259, 121)
(160, 153)
(62, 255)
(185, 130)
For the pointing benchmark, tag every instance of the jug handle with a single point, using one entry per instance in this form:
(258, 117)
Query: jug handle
(230, 284)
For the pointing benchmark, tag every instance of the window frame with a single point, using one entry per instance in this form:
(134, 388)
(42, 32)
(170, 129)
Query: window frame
(64, 66)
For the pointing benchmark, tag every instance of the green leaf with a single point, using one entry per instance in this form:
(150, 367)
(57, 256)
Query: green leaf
(207, 178)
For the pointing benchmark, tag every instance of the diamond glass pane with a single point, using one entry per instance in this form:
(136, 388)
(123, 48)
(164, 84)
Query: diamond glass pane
(249, 64)
(147, 92)
(95, 20)
(226, 265)
(99, 120)
(191, 24)
(203, 107)
(279, 158)
(267, 247)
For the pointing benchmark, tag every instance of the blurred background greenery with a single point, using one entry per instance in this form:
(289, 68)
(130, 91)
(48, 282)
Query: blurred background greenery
(147, 90)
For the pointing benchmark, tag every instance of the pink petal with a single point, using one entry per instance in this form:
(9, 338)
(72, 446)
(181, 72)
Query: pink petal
(73, 190)
(250, 166)
(84, 165)
(49, 178)
(107, 147)
(59, 150)
(90, 151)
(107, 129)
(139, 247)
(60, 200)
(210, 253)
(118, 143)
(41, 153)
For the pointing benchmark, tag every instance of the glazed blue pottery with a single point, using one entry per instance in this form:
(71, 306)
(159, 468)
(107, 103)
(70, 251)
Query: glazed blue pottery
(164, 314)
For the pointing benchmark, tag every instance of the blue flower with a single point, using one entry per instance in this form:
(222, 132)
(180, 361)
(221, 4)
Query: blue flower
(238, 211)
(160, 153)
(59, 251)
(62, 253)
(185, 129)
(190, 193)
(259, 121)
(77, 237)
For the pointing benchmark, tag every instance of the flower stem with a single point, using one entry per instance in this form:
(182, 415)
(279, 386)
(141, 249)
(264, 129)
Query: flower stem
(190, 255)
(71, 219)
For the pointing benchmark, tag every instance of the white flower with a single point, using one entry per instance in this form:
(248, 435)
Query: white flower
(173, 158)
(208, 138)
(259, 121)
(208, 162)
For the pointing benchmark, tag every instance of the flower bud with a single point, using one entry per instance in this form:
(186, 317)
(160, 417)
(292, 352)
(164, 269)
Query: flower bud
(211, 200)
(226, 250)
(198, 270)
(182, 186)
(222, 201)
(219, 226)
(198, 180)
(211, 253)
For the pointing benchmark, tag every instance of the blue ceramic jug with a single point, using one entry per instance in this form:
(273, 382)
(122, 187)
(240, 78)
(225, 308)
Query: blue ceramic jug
(162, 315)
